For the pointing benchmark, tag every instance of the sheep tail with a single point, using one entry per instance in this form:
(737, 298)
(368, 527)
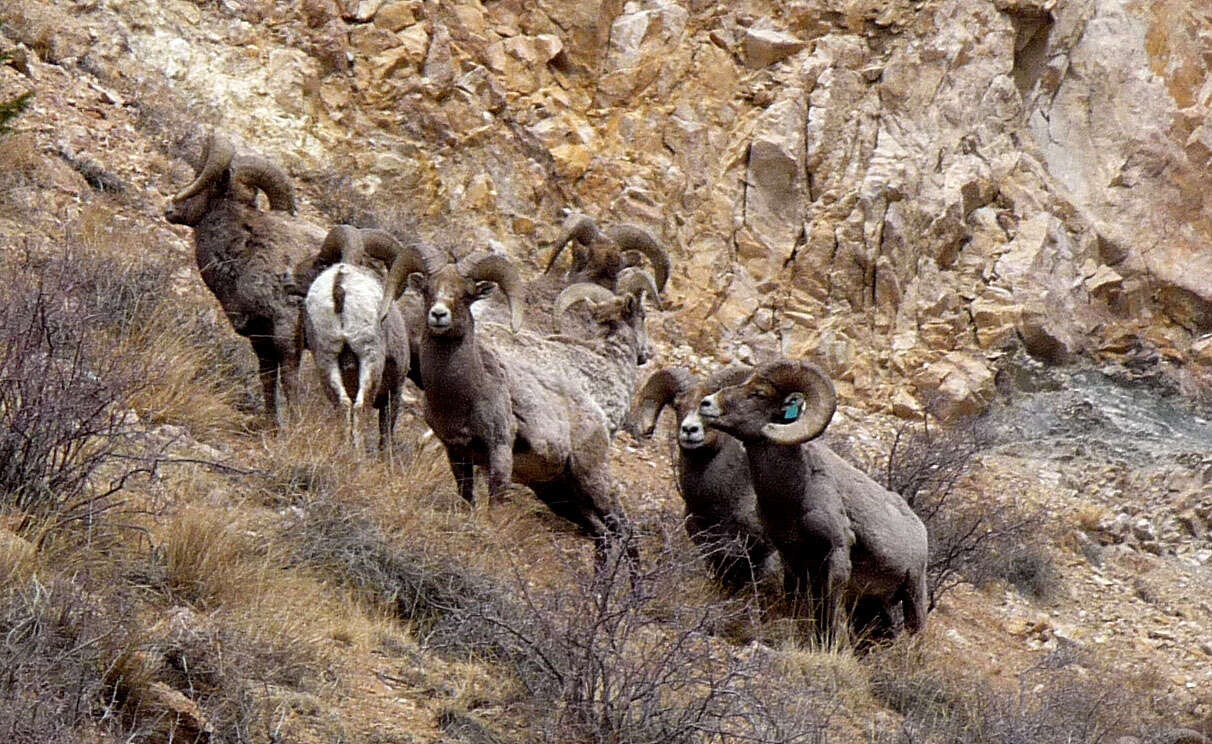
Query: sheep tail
(338, 293)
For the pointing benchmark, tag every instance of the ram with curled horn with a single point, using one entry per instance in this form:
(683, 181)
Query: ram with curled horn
(599, 256)
(360, 358)
(508, 407)
(712, 475)
(841, 535)
(251, 260)
(609, 342)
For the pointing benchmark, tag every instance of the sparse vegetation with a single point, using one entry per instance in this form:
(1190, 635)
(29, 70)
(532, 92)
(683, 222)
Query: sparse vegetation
(973, 537)
(1061, 699)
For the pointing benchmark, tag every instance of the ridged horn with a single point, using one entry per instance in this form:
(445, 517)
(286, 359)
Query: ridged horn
(630, 237)
(406, 259)
(263, 174)
(497, 268)
(819, 395)
(343, 242)
(727, 377)
(380, 244)
(217, 153)
(634, 280)
(576, 225)
(659, 391)
(574, 293)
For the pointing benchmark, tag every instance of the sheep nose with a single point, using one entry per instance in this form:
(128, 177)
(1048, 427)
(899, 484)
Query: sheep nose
(438, 314)
(691, 427)
(708, 407)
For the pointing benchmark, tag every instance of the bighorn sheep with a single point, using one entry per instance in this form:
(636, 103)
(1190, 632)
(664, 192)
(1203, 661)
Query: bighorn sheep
(510, 409)
(605, 352)
(713, 476)
(356, 355)
(599, 256)
(838, 531)
(246, 256)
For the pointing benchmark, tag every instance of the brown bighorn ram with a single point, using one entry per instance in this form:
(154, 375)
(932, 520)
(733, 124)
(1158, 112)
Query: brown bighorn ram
(247, 257)
(839, 533)
(598, 256)
(713, 475)
(511, 409)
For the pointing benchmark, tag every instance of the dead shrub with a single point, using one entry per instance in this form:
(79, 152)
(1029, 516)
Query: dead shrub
(1059, 699)
(617, 655)
(55, 643)
(63, 398)
(973, 538)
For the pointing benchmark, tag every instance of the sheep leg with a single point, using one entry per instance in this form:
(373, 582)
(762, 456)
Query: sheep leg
(387, 420)
(267, 372)
(464, 471)
(500, 472)
(288, 378)
(914, 602)
(329, 369)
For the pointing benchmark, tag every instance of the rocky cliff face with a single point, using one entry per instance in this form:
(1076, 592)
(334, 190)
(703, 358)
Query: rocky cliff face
(903, 190)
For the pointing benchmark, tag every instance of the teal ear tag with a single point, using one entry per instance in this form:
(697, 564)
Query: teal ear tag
(793, 406)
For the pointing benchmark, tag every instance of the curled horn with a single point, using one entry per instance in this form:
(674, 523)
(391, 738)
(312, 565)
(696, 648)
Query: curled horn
(406, 259)
(576, 225)
(634, 280)
(497, 268)
(343, 242)
(820, 397)
(635, 238)
(660, 389)
(574, 293)
(217, 154)
(380, 244)
(727, 377)
(257, 172)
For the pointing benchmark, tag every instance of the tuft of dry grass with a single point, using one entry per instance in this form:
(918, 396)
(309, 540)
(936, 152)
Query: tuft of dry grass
(205, 560)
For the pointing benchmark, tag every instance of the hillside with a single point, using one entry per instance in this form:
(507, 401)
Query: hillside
(982, 218)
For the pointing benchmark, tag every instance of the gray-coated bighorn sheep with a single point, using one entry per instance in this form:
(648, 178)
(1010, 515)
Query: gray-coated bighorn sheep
(713, 475)
(598, 256)
(510, 409)
(838, 532)
(359, 358)
(606, 351)
(247, 257)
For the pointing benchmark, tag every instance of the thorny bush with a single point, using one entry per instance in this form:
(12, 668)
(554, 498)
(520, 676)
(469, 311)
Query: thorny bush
(62, 394)
(971, 539)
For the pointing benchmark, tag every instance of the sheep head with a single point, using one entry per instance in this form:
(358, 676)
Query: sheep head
(614, 311)
(784, 402)
(225, 175)
(603, 256)
(678, 387)
(450, 292)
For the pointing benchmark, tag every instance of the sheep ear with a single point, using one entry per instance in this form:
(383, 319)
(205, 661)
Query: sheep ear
(483, 289)
(416, 282)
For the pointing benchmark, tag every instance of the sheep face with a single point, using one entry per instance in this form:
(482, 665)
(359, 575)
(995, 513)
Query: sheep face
(784, 402)
(742, 410)
(625, 312)
(191, 210)
(448, 298)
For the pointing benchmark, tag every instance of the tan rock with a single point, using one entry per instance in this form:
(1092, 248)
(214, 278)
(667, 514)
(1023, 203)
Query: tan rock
(956, 387)
(1044, 337)
(362, 11)
(397, 16)
(765, 46)
(905, 406)
(996, 317)
(572, 160)
(440, 67)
